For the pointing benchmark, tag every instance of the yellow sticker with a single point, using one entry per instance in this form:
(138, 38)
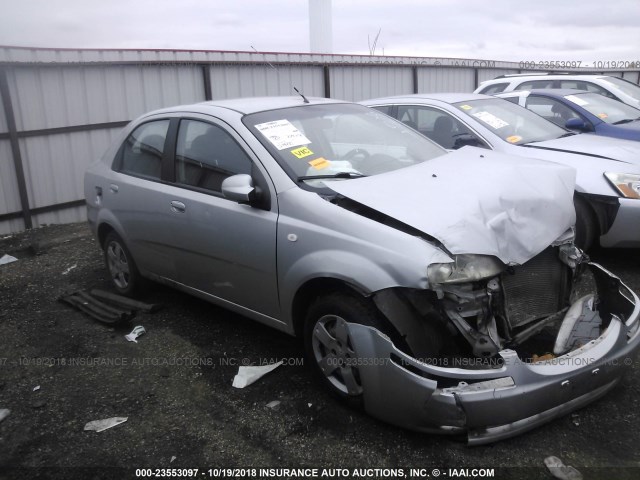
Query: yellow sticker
(602, 115)
(466, 107)
(301, 152)
(319, 163)
(514, 138)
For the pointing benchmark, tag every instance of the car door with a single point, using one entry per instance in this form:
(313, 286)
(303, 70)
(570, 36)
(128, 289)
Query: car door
(224, 248)
(134, 196)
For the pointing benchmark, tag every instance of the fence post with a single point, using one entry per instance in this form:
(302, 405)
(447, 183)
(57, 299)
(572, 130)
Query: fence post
(15, 148)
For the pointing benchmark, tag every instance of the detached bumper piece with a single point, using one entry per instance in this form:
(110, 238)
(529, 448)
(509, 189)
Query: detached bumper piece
(511, 395)
(109, 308)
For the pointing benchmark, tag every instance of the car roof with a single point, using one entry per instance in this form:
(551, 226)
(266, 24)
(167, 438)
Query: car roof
(523, 77)
(442, 97)
(545, 92)
(248, 105)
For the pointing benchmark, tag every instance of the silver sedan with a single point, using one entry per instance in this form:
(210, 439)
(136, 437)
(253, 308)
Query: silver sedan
(437, 291)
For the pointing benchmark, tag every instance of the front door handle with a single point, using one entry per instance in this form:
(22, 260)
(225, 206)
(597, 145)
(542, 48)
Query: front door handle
(178, 207)
(114, 188)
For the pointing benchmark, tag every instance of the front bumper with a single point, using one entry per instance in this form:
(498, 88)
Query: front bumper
(491, 404)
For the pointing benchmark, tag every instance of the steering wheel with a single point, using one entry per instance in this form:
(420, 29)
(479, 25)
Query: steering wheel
(352, 154)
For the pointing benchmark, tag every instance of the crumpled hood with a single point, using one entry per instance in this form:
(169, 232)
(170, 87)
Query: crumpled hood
(615, 148)
(475, 201)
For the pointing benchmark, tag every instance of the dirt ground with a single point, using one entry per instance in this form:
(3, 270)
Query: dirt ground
(174, 386)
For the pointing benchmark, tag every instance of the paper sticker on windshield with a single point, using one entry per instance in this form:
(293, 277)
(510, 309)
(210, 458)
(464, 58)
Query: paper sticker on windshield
(602, 115)
(491, 120)
(577, 100)
(282, 134)
(301, 152)
(319, 163)
(514, 138)
(466, 107)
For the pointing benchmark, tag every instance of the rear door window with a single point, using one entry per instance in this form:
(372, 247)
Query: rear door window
(142, 151)
(533, 84)
(493, 89)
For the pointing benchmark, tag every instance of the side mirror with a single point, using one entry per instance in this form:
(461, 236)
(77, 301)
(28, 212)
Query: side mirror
(466, 139)
(577, 124)
(238, 188)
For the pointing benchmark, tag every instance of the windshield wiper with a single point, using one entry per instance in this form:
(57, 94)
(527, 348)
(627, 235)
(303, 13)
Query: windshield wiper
(626, 120)
(333, 175)
(568, 134)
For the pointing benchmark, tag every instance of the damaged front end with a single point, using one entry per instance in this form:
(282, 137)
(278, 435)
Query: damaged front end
(494, 350)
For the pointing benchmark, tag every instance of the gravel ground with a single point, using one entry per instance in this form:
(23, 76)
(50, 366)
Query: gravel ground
(174, 386)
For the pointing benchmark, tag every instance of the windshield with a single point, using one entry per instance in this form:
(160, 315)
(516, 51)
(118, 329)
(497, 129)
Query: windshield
(627, 87)
(606, 109)
(317, 142)
(512, 123)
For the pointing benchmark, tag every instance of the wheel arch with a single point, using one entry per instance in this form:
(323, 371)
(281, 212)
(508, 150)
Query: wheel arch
(313, 289)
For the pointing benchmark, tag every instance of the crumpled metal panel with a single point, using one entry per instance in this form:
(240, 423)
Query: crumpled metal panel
(476, 201)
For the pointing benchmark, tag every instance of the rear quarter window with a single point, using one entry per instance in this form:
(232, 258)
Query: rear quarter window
(142, 151)
(493, 89)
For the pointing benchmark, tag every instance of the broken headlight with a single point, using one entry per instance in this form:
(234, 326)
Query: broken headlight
(465, 268)
(627, 184)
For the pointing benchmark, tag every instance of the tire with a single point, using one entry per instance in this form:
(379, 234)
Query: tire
(329, 348)
(586, 227)
(122, 269)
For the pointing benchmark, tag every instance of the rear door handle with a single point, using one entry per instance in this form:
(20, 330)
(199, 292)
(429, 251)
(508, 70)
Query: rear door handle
(178, 207)
(114, 188)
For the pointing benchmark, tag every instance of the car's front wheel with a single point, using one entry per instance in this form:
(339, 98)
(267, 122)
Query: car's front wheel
(122, 269)
(328, 344)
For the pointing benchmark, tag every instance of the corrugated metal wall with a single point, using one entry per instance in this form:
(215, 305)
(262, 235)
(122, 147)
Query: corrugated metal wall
(234, 81)
(68, 105)
(356, 83)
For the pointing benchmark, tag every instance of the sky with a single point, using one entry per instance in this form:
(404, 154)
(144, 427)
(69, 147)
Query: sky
(541, 30)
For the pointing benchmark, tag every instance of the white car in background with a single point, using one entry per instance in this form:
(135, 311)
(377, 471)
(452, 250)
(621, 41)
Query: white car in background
(612, 87)
(608, 169)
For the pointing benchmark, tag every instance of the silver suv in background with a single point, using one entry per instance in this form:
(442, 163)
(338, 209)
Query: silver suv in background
(609, 86)
(426, 286)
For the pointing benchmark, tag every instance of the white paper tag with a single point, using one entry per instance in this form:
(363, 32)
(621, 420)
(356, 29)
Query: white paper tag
(491, 120)
(577, 100)
(282, 134)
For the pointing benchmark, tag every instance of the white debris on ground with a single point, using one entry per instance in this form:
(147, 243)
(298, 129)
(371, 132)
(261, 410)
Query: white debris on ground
(101, 425)
(135, 333)
(560, 470)
(247, 375)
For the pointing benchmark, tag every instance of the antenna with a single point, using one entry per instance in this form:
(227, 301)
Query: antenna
(300, 93)
(265, 60)
(372, 48)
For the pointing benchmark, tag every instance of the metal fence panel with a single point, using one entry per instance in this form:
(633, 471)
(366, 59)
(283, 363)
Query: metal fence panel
(9, 196)
(442, 79)
(232, 81)
(3, 120)
(50, 97)
(55, 164)
(361, 83)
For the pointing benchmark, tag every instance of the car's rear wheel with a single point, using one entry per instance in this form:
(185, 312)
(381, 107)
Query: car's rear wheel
(329, 346)
(586, 226)
(122, 269)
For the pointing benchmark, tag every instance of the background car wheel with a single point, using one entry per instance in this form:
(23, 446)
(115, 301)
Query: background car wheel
(122, 269)
(586, 226)
(328, 346)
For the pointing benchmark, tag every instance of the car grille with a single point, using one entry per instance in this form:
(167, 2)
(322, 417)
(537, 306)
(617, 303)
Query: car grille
(535, 289)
